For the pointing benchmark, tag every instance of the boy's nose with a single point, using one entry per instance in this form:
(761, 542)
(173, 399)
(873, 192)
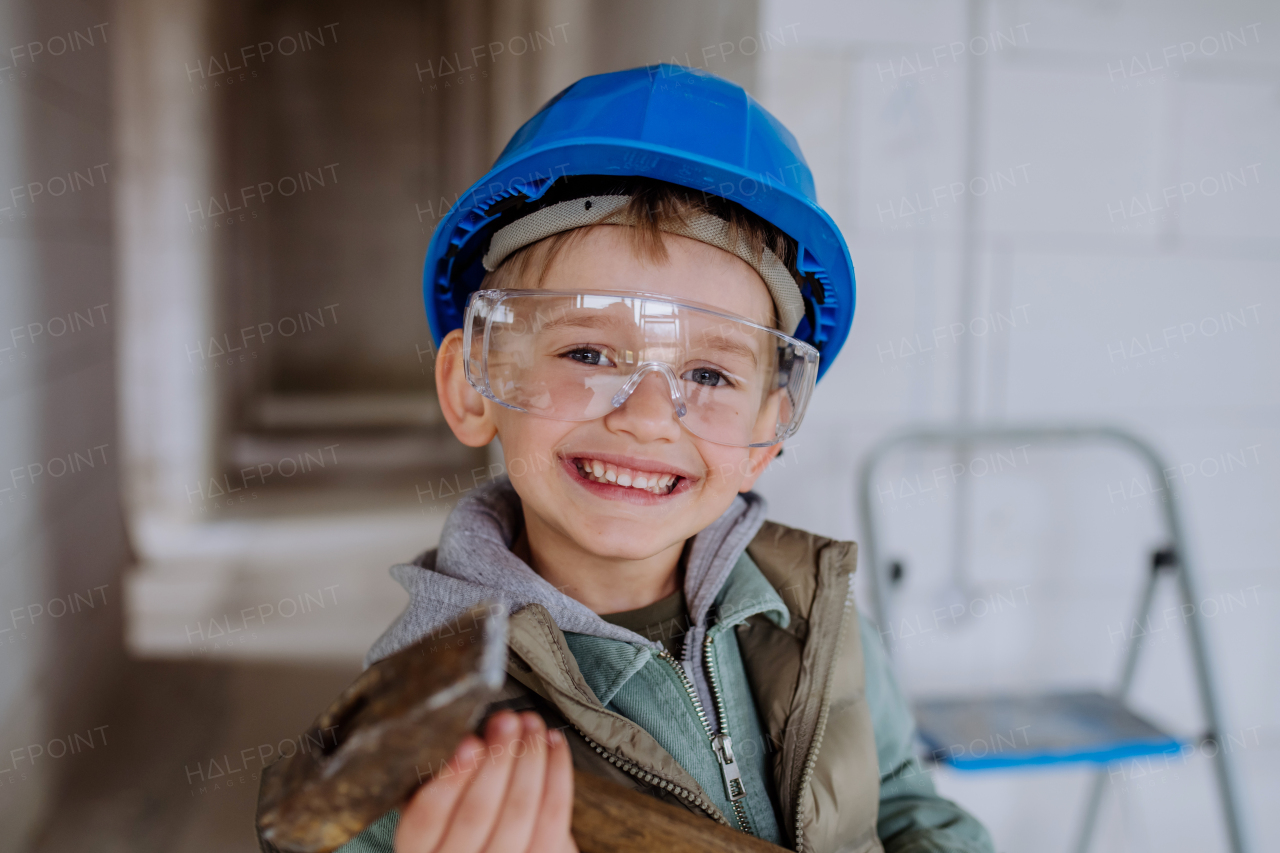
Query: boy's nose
(645, 408)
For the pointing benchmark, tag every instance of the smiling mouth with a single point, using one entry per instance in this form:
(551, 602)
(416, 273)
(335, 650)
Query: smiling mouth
(629, 478)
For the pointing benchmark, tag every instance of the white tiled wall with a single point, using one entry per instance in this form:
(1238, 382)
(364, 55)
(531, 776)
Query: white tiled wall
(1131, 228)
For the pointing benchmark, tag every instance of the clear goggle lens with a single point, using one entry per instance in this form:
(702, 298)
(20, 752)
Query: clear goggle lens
(580, 356)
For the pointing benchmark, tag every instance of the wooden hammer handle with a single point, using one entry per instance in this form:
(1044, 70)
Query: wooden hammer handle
(608, 818)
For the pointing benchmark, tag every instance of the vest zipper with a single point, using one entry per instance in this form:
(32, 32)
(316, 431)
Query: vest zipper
(654, 779)
(721, 743)
(806, 776)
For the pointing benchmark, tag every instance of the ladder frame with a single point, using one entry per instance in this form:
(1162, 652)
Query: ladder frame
(1173, 558)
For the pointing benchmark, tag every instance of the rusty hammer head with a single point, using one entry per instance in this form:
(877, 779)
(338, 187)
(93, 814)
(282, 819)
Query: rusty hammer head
(396, 725)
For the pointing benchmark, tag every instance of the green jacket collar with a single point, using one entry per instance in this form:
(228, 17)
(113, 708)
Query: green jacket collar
(608, 664)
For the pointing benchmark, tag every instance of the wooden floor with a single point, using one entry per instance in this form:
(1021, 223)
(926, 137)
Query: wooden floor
(181, 773)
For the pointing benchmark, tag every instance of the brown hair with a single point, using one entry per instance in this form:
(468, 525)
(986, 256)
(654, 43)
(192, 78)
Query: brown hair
(653, 204)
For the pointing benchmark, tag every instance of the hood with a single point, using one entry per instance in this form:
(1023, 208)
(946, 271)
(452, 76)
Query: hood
(474, 562)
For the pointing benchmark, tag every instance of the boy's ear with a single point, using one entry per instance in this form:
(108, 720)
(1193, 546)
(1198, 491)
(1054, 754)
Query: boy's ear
(758, 460)
(466, 412)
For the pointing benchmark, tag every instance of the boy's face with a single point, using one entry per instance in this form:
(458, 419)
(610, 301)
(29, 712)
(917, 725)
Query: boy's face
(546, 459)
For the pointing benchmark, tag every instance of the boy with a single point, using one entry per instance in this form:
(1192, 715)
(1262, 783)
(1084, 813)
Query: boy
(637, 302)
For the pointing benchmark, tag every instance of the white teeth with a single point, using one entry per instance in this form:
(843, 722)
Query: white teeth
(603, 472)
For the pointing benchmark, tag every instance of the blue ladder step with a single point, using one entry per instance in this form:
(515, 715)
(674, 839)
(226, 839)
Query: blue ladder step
(988, 732)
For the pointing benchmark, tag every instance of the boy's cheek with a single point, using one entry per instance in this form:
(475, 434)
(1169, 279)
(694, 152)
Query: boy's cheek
(530, 449)
(727, 472)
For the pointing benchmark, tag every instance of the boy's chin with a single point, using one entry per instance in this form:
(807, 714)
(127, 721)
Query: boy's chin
(626, 545)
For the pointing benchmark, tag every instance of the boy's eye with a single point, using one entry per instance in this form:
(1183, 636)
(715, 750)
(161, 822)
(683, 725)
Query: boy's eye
(706, 376)
(587, 355)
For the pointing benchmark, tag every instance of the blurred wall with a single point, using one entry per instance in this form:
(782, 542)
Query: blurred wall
(63, 539)
(1059, 212)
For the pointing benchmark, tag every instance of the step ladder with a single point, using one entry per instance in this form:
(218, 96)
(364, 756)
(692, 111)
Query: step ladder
(1058, 727)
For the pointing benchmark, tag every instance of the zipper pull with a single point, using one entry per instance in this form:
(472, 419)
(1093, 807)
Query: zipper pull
(733, 787)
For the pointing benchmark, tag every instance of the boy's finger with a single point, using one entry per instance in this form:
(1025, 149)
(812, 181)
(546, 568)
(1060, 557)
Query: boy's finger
(519, 813)
(474, 817)
(556, 814)
(425, 818)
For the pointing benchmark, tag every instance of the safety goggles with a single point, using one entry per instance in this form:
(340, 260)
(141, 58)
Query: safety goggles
(580, 356)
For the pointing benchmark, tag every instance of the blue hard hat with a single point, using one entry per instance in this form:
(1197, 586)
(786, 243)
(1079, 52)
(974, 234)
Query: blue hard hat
(667, 122)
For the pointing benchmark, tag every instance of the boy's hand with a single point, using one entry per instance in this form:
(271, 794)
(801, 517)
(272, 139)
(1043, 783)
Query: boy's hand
(511, 793)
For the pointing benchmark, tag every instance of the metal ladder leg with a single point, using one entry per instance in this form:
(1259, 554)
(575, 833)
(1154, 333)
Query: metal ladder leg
(1209, 707)
(1092, 806)
(1159, 560)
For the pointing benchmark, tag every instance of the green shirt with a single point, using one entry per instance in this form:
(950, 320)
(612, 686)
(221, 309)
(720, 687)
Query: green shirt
(665, 621)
